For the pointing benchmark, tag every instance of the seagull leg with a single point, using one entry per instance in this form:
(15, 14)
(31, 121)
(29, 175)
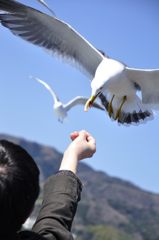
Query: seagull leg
(119, 110)
(110, 108)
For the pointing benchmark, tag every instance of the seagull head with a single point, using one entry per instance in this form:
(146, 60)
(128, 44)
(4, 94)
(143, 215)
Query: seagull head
(96, 91)
(108, 71)
(98, 83)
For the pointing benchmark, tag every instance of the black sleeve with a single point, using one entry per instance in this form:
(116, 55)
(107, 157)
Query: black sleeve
(61, 196)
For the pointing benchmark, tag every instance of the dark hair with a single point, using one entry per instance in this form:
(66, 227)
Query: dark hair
(19, 186)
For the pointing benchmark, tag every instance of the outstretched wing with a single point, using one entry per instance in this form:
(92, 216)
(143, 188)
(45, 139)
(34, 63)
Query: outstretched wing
(79, 100)
(147, 80)
(55, 97)
(49, 32)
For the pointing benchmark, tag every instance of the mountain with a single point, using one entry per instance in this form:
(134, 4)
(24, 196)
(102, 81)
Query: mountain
(110, 208)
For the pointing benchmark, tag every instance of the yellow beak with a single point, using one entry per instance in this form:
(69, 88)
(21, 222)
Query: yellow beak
(89, 103)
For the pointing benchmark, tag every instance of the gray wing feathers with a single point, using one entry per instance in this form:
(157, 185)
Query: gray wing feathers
(46, 6)
(79, 100)
(46, 85)
(148, 82)
(50, 33)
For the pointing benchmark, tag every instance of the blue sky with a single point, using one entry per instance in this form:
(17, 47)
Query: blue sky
(127, 31)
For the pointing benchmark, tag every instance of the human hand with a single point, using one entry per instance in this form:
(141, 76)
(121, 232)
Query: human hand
(83, 146)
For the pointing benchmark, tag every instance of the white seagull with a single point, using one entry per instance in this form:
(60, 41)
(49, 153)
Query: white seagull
(116, 84)
(61, 109)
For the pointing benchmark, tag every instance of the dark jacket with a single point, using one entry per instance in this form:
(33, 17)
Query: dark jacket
(60, 199)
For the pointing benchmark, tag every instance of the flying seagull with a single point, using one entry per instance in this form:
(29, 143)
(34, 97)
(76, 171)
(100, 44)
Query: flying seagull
(46, 5)
(61, 109)
(116, 84)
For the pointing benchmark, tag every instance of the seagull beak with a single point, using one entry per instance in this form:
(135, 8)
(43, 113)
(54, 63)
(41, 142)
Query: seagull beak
(90, 102)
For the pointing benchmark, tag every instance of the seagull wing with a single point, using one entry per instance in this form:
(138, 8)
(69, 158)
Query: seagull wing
(146, 80)
(79, 100)
(49, 32)
(46, 5)
(55, 97)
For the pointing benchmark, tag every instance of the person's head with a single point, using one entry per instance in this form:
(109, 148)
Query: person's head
(19, 186)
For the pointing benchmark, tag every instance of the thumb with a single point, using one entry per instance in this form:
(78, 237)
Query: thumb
(74, 135)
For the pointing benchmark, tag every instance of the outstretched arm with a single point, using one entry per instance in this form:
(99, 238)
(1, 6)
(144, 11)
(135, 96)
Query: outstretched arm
(62, 191)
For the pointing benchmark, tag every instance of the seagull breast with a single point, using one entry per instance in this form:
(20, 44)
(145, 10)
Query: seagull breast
(110, 76)
(60, 111)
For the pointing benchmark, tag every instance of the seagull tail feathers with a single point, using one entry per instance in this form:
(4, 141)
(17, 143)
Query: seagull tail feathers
(133, 111)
